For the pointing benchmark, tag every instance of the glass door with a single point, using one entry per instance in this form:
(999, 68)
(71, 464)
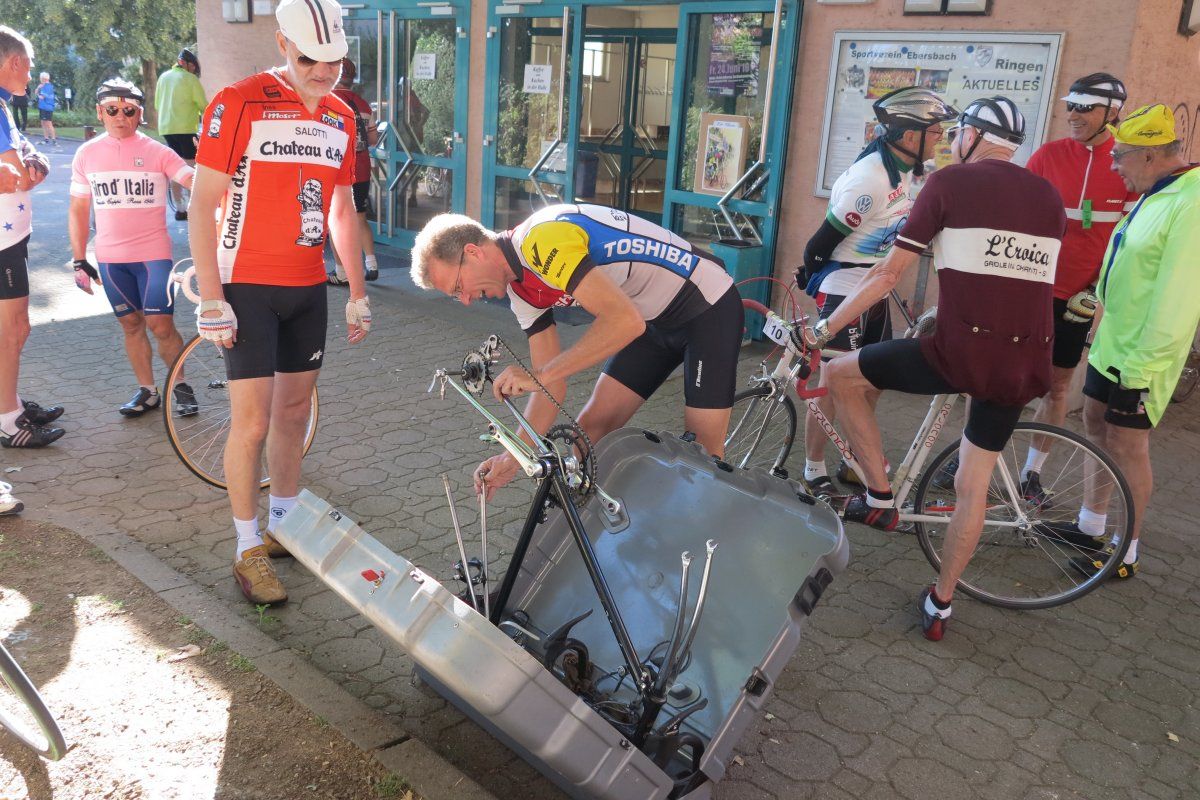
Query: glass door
(412, 69)
(526, 141)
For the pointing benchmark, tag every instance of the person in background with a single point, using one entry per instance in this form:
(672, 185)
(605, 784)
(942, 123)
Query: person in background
(46, 102)
(20, 109)
(179, 102)
(362, 172)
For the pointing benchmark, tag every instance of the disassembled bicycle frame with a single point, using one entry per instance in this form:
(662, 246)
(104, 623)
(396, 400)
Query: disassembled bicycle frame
(560, 475)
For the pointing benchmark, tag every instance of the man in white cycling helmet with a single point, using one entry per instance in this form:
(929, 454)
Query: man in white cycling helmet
(869, 203)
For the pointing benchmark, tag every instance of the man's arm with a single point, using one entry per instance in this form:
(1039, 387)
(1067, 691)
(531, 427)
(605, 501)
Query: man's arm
(13, 160)
(875, 285)
(208, 188)
(617, 323)
(77, 225)
(344, 228)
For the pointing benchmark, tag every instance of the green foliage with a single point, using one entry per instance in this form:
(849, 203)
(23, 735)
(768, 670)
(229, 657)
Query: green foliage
(82, 42)
(437, 95)
(391, 786)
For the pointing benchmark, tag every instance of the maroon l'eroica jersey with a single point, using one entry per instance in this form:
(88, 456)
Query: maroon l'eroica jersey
(996, 229)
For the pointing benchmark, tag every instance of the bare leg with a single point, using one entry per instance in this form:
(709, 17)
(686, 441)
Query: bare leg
(167, 337)
(367, 236)
(1131, 449)
(14, 332)
(851, 394)
(966, 523)
(710, 426)
(611, 405)
(290, 410)
(137, 347)
(250, 414)
(1096, 494)
(1053, 408)
(814, 435)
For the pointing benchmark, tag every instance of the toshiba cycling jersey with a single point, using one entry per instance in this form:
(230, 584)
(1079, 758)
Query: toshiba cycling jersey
(127, 180)
(1095, 198)
(864, 206)
(553, 250)
(284, 162)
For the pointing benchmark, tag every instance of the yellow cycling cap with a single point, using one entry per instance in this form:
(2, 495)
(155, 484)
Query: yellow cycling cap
(1146, 127)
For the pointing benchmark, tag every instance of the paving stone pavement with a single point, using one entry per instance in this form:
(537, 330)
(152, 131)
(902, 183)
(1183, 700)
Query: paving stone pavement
(1075, 702)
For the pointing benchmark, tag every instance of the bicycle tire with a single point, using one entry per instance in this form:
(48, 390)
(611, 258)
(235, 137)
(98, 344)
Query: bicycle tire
(746, 431)
(50, 745)
(199, 439)
(1022, 569)
(1187, 382)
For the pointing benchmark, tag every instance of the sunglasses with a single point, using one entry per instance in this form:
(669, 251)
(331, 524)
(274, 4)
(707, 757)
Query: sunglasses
(305, 61)
(129, 111)
(1081, 109)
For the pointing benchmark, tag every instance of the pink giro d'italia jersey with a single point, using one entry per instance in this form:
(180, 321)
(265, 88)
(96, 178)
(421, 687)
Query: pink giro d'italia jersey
(127, 180)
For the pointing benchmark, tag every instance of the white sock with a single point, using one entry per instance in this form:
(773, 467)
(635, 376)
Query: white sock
(814, 470)
(277, 509)
(1131, 553)
(880, 502)
(370, 263)
(1034, 461)
(247, 535)
(8, 422)
(1090, 522)
(151, 389)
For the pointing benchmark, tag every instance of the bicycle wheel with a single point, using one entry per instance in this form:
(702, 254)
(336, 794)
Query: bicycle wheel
(762, 429)
(25, 715)
(1187, 381)
(1030, 564)
(198, 434)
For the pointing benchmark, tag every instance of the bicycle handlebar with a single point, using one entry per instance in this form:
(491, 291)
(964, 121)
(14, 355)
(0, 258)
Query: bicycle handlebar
(807, 357)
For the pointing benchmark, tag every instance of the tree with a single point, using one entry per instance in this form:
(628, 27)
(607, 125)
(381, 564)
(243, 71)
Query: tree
(82, 42)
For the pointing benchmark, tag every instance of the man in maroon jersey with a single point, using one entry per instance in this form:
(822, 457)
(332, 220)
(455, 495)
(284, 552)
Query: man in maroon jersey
(362, 172)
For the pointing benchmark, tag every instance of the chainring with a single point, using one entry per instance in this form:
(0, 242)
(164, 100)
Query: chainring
(573, 440)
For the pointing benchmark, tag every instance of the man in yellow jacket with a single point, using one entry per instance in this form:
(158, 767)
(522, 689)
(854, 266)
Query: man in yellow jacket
(1150, 292)
(179, 102)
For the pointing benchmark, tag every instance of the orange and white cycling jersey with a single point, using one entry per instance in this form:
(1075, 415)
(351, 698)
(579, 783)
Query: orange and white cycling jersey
(284, 162)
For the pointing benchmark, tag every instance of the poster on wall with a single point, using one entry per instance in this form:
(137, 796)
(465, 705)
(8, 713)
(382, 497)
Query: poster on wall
(734, 55)
(960, 66)
(721, 157)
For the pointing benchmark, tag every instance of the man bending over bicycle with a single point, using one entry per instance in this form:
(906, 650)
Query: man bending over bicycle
(658, 303)
(995, 229)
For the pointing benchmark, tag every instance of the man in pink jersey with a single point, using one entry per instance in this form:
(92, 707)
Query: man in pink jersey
(126, 175)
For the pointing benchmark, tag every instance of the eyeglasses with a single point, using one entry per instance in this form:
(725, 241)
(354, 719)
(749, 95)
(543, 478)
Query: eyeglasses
(456, 292)
(1117, 155)
(129, 111)
(952, 133)
(1081, 109)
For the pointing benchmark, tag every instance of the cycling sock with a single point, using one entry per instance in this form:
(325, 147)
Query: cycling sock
(1034, 461)
(370, 262)
(8, 422)
(880, 499)
(150, 389)
(277, 509)
(1131, 553)
(938, 605)
(1091, 523)
(247, 535)
(814, 470)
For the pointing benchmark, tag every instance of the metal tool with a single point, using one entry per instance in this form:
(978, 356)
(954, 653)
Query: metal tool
(462, 550)
(487, 606)
(660, 684)
(677, 654)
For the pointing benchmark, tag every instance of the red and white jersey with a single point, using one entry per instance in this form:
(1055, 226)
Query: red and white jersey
(285, 162)
(127, 180)
(1095, 198)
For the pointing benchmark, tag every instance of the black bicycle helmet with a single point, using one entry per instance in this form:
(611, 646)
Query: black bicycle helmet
(912, 108)
(1099, 88)
(115, 88)
(186, 56)
(996, 116)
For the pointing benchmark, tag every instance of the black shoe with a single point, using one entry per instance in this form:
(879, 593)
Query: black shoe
(144, 400)
(857, 510)
(1032, 491)
(848, 476)
(38, 415)
(933, 619)
(181, 216)
(185, 400)
(1090, 566)
(30, 435)
(1069, 533)
(944, 479)
(373, 274)
(822, 488)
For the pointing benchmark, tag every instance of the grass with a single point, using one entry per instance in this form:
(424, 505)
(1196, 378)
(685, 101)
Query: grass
(266, 620)
(392, 785)
(240, 663)
(72, 132)
(218, 647)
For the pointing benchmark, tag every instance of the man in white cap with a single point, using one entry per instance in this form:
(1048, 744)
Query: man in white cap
(275, 163)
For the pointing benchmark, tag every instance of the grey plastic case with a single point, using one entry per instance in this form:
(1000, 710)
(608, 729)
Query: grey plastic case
(777, 552)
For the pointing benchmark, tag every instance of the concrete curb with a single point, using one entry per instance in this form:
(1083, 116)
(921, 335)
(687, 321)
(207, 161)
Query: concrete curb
(428, 773)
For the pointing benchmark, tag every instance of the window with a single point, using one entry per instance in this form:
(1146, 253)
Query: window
(595, 61)
(235, 10)
(979, 7)
(1189, 18)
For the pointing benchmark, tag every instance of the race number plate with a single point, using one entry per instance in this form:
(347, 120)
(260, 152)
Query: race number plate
(776, 329)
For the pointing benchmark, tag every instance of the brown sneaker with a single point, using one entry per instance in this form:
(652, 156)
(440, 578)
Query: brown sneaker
(257, 577)
(274, 548)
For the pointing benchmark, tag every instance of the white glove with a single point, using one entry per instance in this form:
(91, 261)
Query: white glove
(1081, 307)
(220, 328)
(358, 312)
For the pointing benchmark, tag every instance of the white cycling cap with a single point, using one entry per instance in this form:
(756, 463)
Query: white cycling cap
(314, 26)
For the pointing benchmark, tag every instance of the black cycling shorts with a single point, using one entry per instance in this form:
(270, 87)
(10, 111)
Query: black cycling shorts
(707, 346)
(899, 365)
(182, 143)
(14, 271)
(280, 329)
(1124, 406)
(362, 196)
(856, 335)
(45, 116)
(1069, 337)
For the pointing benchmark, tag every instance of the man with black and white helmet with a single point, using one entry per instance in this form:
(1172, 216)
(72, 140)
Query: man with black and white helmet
(1081, 167)
(995, 229)
(869, 203)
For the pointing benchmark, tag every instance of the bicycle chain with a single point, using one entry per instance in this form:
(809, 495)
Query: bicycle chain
(588, 464)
